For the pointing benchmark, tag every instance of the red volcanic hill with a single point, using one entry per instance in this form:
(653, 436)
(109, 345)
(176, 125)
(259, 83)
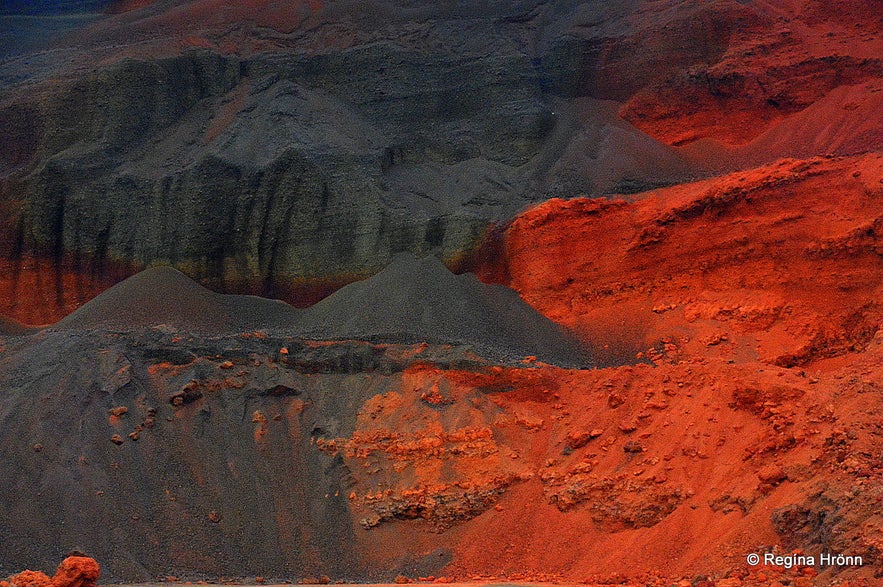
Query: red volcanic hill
(773, 60)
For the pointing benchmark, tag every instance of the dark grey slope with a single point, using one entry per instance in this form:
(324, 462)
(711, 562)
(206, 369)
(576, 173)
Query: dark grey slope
(165, 296)
(160, 295)
(82, 491)
(255, 313)
(420, 300)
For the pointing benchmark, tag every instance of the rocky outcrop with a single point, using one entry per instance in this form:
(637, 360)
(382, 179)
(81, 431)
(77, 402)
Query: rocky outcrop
(814, 275)
(74, 571)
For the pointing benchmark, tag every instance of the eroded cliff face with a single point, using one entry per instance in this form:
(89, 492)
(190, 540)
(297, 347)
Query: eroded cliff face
(258, 170)
(286, 151)
(781, 262)
(257, 174)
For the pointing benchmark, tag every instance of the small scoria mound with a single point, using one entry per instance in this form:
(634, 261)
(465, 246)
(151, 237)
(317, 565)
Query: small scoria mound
(420, 300)
(165, 296)
(160, 295)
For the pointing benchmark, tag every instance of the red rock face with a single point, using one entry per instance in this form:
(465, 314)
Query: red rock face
(783, 261)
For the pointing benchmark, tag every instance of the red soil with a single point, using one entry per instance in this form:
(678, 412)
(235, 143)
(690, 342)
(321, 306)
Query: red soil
(638, 472)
